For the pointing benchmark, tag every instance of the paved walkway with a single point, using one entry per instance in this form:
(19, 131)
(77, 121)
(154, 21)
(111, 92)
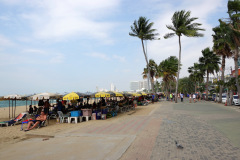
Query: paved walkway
(205, 129)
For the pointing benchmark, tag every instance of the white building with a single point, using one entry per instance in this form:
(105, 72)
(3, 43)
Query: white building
(139, 85)
(113, 87)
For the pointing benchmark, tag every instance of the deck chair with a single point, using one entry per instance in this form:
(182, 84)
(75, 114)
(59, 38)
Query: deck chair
(41, 124)
(16, 120)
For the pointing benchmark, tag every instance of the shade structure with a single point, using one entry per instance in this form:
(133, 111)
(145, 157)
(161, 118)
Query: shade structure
(71, 96)
(45, 95)
(115, 94)
(130, 94)
(100, 94)
(12, 96)
(142, 93)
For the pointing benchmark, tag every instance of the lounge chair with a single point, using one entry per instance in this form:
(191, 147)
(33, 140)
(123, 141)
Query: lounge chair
(14, 121)
(41, 124)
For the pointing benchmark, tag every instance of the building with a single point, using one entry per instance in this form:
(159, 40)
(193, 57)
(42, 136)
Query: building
(113, 87)
(138, 85)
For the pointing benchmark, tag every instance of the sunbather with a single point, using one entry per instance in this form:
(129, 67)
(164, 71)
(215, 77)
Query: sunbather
(35, 123)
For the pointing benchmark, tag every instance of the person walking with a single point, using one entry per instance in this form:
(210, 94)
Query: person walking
(190, 98)
(171, 96)
(194, 97)
(181, 96)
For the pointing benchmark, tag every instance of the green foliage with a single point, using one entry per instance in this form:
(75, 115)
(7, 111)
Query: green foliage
(143, 29)
(183, 25)
(209, 62)
(186, 85)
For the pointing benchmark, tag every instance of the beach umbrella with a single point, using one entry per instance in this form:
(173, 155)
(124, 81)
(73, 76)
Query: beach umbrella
(71, 96)
(143, 93)
(100, 94)
(115, 94)
(45, 95)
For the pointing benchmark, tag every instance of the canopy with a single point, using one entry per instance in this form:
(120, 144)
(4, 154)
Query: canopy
(132, 94)
(142, 93)
(45, 95)
(100, 94)
(115, 94)
(71, 96)
(12, 96)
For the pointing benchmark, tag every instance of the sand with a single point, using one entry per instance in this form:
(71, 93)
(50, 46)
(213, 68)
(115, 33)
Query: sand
(13, 134)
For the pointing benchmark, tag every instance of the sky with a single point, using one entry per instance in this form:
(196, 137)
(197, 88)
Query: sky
(76, 45)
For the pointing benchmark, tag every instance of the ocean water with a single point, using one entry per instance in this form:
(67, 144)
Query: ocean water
(5, 103)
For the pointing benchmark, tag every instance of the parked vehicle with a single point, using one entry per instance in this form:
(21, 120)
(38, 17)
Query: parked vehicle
(224, 98)
(235, 100)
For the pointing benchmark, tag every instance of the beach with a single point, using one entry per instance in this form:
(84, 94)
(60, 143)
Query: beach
(13, 134)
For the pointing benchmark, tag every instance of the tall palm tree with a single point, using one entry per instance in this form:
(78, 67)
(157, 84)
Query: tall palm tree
(168, 70)
(221, 47)
(182, 25)
(209, 62)
(196, 74)
(153, 69)
(234, 15)
(143, 30)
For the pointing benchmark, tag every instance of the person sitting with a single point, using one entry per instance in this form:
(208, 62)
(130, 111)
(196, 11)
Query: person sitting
(30, 111)
(35, 109)
(35, 123)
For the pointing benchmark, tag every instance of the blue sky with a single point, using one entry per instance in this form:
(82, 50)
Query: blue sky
(76, 45)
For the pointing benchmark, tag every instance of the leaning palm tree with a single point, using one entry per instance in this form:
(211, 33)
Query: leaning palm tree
(209, 62)
(221, 47)
(182, 25)
(143, 30)
(153, 69)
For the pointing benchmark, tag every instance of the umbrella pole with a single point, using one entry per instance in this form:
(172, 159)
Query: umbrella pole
(12, 108)
(26, 105)
(9, 108)
(15, 107)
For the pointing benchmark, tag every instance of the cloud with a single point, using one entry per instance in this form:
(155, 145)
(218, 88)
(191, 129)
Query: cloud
(120, 58)
(60, 19)
(5, 41)
(98, 55)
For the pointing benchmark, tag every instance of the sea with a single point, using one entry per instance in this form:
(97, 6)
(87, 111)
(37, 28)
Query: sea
(5, 103)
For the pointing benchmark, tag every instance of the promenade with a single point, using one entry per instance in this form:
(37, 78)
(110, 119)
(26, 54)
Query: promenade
(206, 130)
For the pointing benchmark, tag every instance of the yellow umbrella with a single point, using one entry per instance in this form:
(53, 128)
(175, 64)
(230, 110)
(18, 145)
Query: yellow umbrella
(143, 93)
(71, 96)
(115, 94)
(101, 94)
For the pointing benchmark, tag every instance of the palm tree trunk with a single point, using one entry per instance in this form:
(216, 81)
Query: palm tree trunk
(179, 62)
(145, 55)
(207, 86)
(236, 70)
(222, 78)
(195, 87)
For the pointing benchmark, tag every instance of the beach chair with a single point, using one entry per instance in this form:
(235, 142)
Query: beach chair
(14, 121)
(41, 124)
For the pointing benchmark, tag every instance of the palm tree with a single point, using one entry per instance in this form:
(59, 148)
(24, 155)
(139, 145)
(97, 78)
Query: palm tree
(209, 62)
(234, 14)
(168, 70)
(143, 30)
(182, 25)
(196, 74)
(221, 47)
(153, 69)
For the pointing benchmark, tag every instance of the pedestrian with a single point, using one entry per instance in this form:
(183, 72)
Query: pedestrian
(190, 98)
(181, 95)
(171, 96)
(194, 98)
